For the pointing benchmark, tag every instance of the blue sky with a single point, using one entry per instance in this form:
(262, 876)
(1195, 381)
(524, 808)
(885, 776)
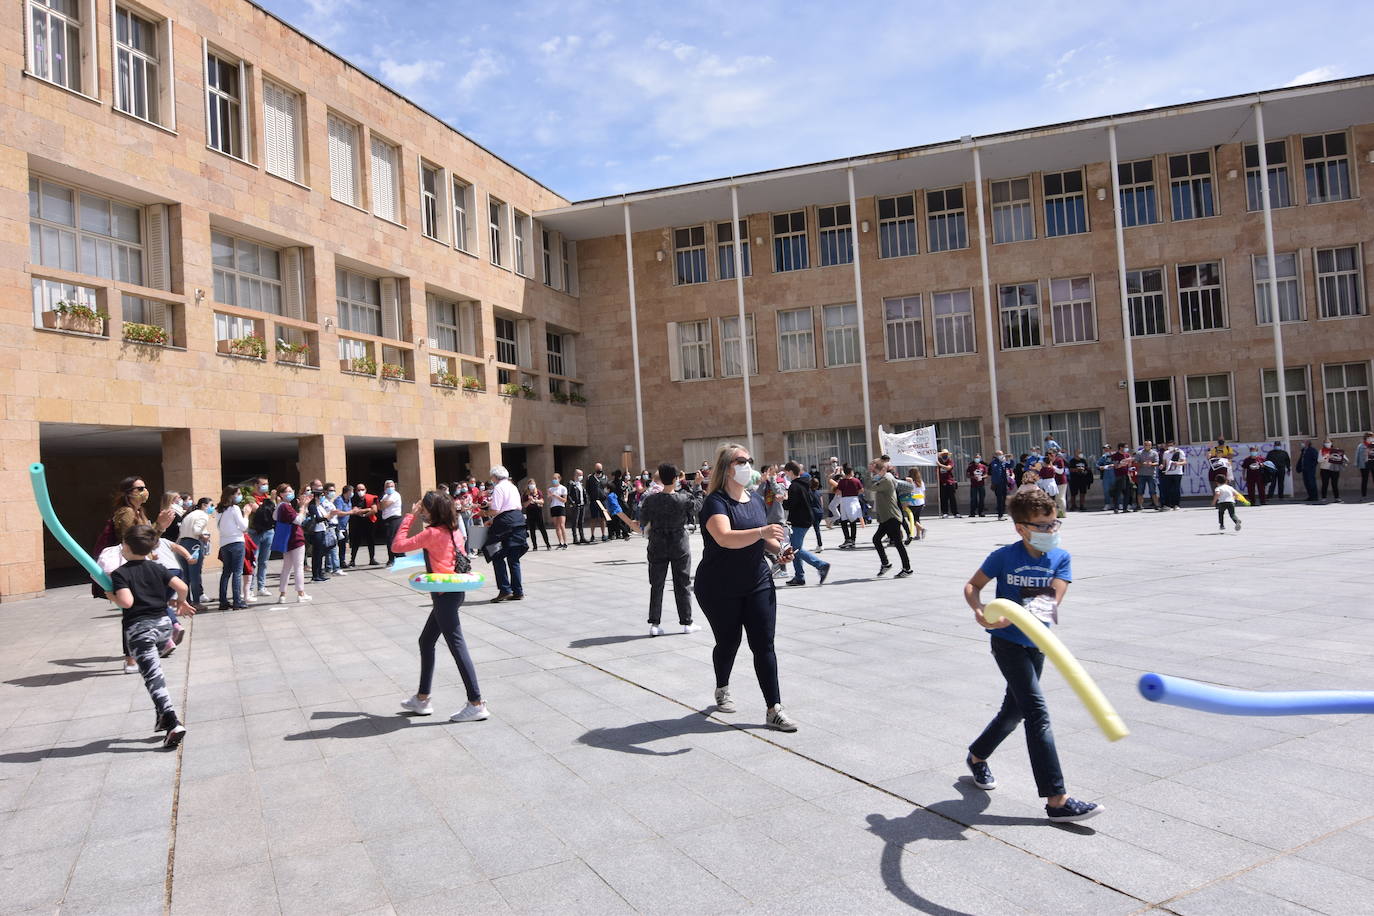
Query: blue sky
(600, 98)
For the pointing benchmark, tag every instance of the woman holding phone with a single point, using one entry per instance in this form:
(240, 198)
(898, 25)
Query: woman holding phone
(733, 582)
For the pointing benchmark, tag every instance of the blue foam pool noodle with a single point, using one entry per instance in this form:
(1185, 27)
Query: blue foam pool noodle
(1228, 701)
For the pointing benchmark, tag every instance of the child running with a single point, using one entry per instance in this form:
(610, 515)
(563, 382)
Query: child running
(1224, 498)
(443, 543)
(140, 587)
(1034, 572)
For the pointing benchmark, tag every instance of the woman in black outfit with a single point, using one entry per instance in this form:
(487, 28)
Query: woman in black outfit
(532, 502)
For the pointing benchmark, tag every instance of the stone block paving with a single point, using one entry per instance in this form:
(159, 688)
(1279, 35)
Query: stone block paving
(604, 782)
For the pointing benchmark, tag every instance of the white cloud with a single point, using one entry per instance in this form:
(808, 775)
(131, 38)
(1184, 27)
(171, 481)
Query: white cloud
(408, 76)
(484, 66)
(1315, 75)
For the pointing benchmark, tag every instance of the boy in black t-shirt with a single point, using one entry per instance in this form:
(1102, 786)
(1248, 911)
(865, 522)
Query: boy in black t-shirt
(140, 587)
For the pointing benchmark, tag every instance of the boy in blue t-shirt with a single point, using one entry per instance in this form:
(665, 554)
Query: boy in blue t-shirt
(1035, 573)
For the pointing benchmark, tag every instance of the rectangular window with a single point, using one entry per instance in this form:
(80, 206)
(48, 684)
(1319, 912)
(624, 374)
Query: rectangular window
(1139, 201)
(1290, 290)
(1276, 152)
(48, 293)
(496, 222)
(546, 254)
(1074, 430)
(1299, 402)
(1012, 217)
(841, 324)
(84, 232)
(553, 350)
(520, 237)
(431, 180)
(224, 86)
(796, 340)
(1209, 407)
(1145, 301)
(235, 327)
(953, 322)
(281, 127)
(789, 242)
(1154, 410)
(1340, 283)
(344, 184)
(137, 73)
(1347, 397)
(1066, 206)
(1190, 185)
(1019, 307)
(386, 180)
(897, 226)
(1071, 310)
(694, 349)
(1326, 166)
(730, 366)
(359, 300)
(1200, 303)
(444, 324)
(725, 250)
(507, 342)
(350, 350)
(904, 327)
(247, 274)
(462, 206)
(946, 220)
(836, 229)
(55, 42)
(815, 447)
(689, 255)
(565, 256)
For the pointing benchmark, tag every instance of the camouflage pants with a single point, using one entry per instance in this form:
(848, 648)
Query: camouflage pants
(145, 636)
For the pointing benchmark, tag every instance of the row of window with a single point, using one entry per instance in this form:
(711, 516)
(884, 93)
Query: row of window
(1063, 203)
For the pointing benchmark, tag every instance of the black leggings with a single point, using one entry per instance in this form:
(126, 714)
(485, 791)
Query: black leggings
(892, 530)
(1333, 478)
(1222, 509)
(850, 529)
(443, 619)
(534, 521)
(754, 616)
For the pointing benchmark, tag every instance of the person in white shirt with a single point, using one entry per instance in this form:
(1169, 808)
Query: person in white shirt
(507, 541)
(233, 524)
(558, 501)
(1224, 498)
(195, 540)
(391, 512)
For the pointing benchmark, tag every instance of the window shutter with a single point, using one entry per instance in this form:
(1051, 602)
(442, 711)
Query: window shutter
(467, 327)
(246, 145)
(205, 78)
(384, 180)
(280, 129)
(674, 353)
(114, 52)
(343, 161)
(28, 40)
(293, 284)
(167, 76)
(524, 348)
(391, 318)
(158, 248)
(570, 355)
(157, 315)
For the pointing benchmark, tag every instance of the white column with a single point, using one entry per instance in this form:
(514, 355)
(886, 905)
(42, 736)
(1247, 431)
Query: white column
(634, 335)
(1273, 282)
(738, 254)
(859, 306)
(1121, 279)
(988, 325)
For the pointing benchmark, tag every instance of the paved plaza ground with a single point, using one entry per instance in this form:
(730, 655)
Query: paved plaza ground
(603, 782)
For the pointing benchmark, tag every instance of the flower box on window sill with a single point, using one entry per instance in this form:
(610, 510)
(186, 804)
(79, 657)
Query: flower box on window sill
(293, 354)
(470, 383)
(358, 366)
(75, 323)
(245, 347)
(444, 380)
(573, 398)
(151, 335)
(391, 372)
(512, 390)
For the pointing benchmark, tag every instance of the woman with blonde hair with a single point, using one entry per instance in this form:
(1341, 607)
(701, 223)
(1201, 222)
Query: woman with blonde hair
(733, 582)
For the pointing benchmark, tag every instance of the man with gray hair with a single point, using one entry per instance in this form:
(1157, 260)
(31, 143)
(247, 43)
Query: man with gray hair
(391, 512)
(507, 538)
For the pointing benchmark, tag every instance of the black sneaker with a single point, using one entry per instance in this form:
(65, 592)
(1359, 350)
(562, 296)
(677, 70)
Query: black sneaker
(903, 574)
(795, 582)
(1073, 810)
(174, 736)
(982, 774)
(882, 570)
(824, 571)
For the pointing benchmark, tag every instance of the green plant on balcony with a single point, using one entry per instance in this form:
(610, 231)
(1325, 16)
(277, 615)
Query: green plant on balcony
(251, 345)
(74, 316)
(470, 383)
(559, 397)
(511, 389)
(393, 371)
(153, 334)
(292, 352)
(528, 393)
(577, 398)
(447, 379)
(364, 365)
(78, 310)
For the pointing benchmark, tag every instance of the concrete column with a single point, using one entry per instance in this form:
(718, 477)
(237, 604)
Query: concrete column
(414, 468)
(481, 457)
(539, 463)
(191, 462)
(320, 456)
(21, 536)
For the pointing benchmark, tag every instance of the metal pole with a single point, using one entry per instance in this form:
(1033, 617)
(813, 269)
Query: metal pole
(987, 301)
(859, 306)
(1273, 282)
(1125, 296)
(634, 335)
(738, 254)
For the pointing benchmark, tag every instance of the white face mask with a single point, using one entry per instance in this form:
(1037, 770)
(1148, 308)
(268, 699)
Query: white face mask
(1326, 444)
(743, 473)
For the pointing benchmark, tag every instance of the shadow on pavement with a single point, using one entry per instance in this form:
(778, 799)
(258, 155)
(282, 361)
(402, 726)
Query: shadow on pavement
(67, 677)
(605, 640)
(103, 746)
(629, 739)
(362, 725)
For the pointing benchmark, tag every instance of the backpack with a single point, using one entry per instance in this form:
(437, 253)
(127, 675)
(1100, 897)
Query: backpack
(262, 516)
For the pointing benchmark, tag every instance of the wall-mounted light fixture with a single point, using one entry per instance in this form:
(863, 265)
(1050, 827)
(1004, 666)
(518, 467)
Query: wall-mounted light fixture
(200, 295)
(1231, 175)
(1369, 157)
(863, 226)
(758, 240)
(658, 255)
(1101, 193)
(329, 324)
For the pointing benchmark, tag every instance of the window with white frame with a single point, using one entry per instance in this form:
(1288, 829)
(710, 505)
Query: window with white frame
(946, 220)
(1340, 282)
(815, 447)
(836, 234)
(689, 255)
(386, 180)
(1326, 166)
(1145, 302)
(444, 323)
(841, 326)
(138, 74)
(226, 121)
(730, 363)
(1072, 315)
(1190, 185)
(725, 250)
(1154, 410)
(1209, 407)
(247, 274)
(281, 132)
(1018, 305)
(1074, 430)
(56, 37)
(904, 327)
(1201, 306)
(234, 327)
(789, 242)
(431, 185)
(496, 230)
(1290, 290)
(1139, 199)
(350, 349)
(953, 312)
(796, 340)
(48, 293)
(566, 257)
(1012, 217)
(546, 253)
(76, 230)
(1066, 206)
(522, 240)
(1299, 402)
(507, 341)
(345, 184)
(462, 206)
(359, 300)
(897, 226)
(1347, 397)
(1276, 154)
(694, 349)
(553, 351)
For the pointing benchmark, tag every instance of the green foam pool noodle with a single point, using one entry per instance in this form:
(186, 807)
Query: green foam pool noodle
(39, 479)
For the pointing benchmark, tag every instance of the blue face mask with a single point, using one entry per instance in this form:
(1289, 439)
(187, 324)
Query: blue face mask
(390, 490)
(289, 495)
(1044, 541)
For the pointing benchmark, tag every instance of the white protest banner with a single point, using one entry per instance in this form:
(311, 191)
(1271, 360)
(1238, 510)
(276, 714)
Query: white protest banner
(914, 447)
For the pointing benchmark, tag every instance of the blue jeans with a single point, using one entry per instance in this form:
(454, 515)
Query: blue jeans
(264, 541)
(506, 566)
(231, 555)
(193, 569)
(1021, 667)
(797, 538)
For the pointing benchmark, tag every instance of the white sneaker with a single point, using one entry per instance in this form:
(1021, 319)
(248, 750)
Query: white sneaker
(130, 669)
(655, 630)
(418, 706)
(778, 718)
(281, 599)
(724, 702)
(470, 713)
(304, 597)
(338, 572)
(690, 628)
(250, 598)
